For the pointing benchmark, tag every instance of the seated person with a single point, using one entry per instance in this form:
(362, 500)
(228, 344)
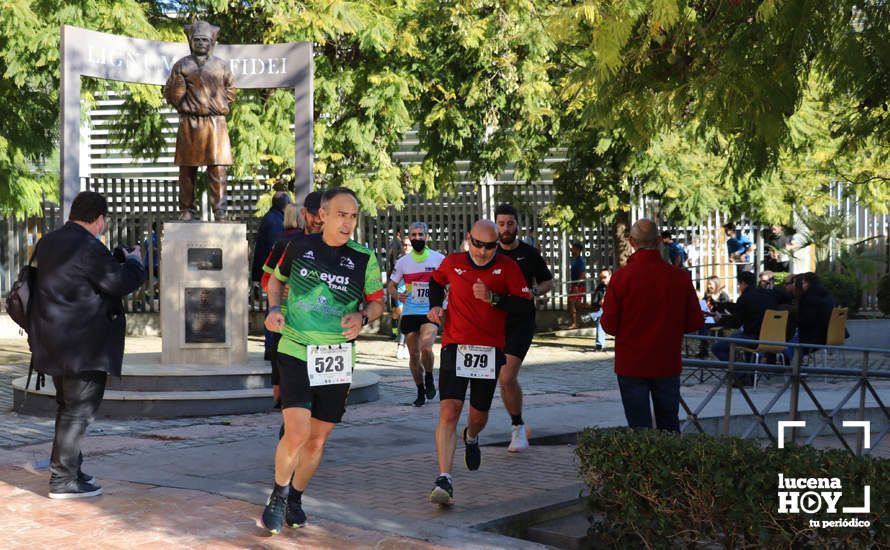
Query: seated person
(814, 305)
(716, 298)
(748, 313)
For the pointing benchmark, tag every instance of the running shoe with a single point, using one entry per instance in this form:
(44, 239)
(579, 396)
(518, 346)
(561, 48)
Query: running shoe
(402, 352)
(472, 454)
(443, 492)
(295, 516)
(430, 386)
(518, 440)
(273, 514)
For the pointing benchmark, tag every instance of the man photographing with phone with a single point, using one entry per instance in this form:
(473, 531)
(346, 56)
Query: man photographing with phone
(76, 330)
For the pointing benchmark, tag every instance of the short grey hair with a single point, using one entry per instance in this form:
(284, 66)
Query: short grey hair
(645, 233)
(419, 225)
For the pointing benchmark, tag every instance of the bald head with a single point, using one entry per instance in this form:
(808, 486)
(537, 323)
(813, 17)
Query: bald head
(483, 229)
(483, 240)
(644, 234)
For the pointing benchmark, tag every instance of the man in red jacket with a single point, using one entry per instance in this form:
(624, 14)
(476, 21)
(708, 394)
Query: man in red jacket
(648, 308)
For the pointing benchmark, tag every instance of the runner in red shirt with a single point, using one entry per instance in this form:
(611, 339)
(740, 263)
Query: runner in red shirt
(482, 288)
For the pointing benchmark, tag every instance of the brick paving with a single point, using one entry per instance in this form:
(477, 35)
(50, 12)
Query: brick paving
(401, 485)
(130, 515)
(377, 473)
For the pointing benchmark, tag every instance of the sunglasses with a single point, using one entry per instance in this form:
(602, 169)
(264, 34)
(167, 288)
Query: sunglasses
(483, 244)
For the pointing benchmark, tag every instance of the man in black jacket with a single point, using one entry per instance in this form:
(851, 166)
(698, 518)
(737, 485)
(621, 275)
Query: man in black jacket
(270, 227)
(747, 313)
(76, 330)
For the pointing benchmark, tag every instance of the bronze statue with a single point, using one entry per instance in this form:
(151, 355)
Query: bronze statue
(202, 88)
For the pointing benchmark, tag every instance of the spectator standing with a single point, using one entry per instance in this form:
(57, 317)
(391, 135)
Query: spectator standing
(779, 245)
(394, 250)
(578, 283)
(739, 249)
(152, 242)
(648, 308)
(676, 252)
(599, 294)
(76, 330)
(270, 226)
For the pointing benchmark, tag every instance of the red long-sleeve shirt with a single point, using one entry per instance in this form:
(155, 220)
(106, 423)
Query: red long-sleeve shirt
(469, 320)
(648, 307)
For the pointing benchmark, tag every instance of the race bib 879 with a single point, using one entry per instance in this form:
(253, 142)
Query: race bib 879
(476, 362)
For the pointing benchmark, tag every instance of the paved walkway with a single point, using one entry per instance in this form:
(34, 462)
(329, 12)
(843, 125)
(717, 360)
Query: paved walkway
(201, 482)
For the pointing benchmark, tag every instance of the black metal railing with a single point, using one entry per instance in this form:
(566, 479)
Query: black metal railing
(796, 377)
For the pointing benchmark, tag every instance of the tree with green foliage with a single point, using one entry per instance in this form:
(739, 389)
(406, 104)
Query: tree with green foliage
(471, 77)
(747, 106)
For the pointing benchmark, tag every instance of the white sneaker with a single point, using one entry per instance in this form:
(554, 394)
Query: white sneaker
(402, 352)
(519, 439)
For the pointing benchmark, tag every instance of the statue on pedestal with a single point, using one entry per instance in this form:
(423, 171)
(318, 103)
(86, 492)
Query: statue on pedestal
(202, 88)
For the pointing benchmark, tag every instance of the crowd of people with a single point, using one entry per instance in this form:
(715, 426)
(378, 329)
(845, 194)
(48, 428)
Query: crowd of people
(322, 287)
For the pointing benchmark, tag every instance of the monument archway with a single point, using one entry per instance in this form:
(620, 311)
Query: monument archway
(113, 57)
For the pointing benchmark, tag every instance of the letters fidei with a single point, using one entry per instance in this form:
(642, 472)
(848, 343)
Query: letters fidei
(246, 66)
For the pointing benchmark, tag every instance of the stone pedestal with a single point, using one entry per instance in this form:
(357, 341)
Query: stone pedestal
(204, 285)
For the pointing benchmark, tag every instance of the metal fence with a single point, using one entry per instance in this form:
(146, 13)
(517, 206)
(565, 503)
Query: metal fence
(796, 382)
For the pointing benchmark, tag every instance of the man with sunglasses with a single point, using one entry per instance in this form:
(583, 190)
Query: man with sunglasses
(483, 287)
(520, 329)
(416, 268)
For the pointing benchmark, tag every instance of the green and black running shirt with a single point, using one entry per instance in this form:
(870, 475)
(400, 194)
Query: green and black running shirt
(324, 283)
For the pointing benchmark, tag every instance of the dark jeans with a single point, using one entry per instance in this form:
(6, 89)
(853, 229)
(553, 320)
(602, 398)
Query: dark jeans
(665, 394)
(78, 396)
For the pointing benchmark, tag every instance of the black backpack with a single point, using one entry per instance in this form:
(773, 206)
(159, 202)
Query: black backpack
(18, 303)
(19, 298)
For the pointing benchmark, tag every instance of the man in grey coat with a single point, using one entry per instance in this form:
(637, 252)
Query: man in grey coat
(76, 330)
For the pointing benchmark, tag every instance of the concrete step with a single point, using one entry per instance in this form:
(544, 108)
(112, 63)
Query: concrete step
(569, 532)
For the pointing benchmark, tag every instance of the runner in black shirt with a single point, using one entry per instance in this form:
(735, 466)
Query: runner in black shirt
(521, 327)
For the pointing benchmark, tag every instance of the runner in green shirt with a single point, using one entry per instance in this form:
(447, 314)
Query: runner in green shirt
(328, 276)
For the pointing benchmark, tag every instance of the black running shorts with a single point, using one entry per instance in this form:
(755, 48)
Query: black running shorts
(453, 387)
(327, 403)
(519, 336)
(411, 323)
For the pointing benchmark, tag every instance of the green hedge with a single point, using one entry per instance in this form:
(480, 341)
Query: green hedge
(884, 295)
(846, 289)
(665, 490)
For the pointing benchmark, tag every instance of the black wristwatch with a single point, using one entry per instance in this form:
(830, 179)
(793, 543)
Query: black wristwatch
(365, 319)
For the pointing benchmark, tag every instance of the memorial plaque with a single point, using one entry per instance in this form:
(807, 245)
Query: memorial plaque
(205, 259)
(205, 315)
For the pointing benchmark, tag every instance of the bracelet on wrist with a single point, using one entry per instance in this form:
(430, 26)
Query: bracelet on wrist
(274, 308)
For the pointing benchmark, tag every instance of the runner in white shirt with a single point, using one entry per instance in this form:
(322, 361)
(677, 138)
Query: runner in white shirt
(415, 269)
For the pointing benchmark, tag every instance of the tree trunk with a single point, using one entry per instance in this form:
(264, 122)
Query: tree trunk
(620, 234)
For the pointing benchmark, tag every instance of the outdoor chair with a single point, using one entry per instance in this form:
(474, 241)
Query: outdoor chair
(772, 329)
